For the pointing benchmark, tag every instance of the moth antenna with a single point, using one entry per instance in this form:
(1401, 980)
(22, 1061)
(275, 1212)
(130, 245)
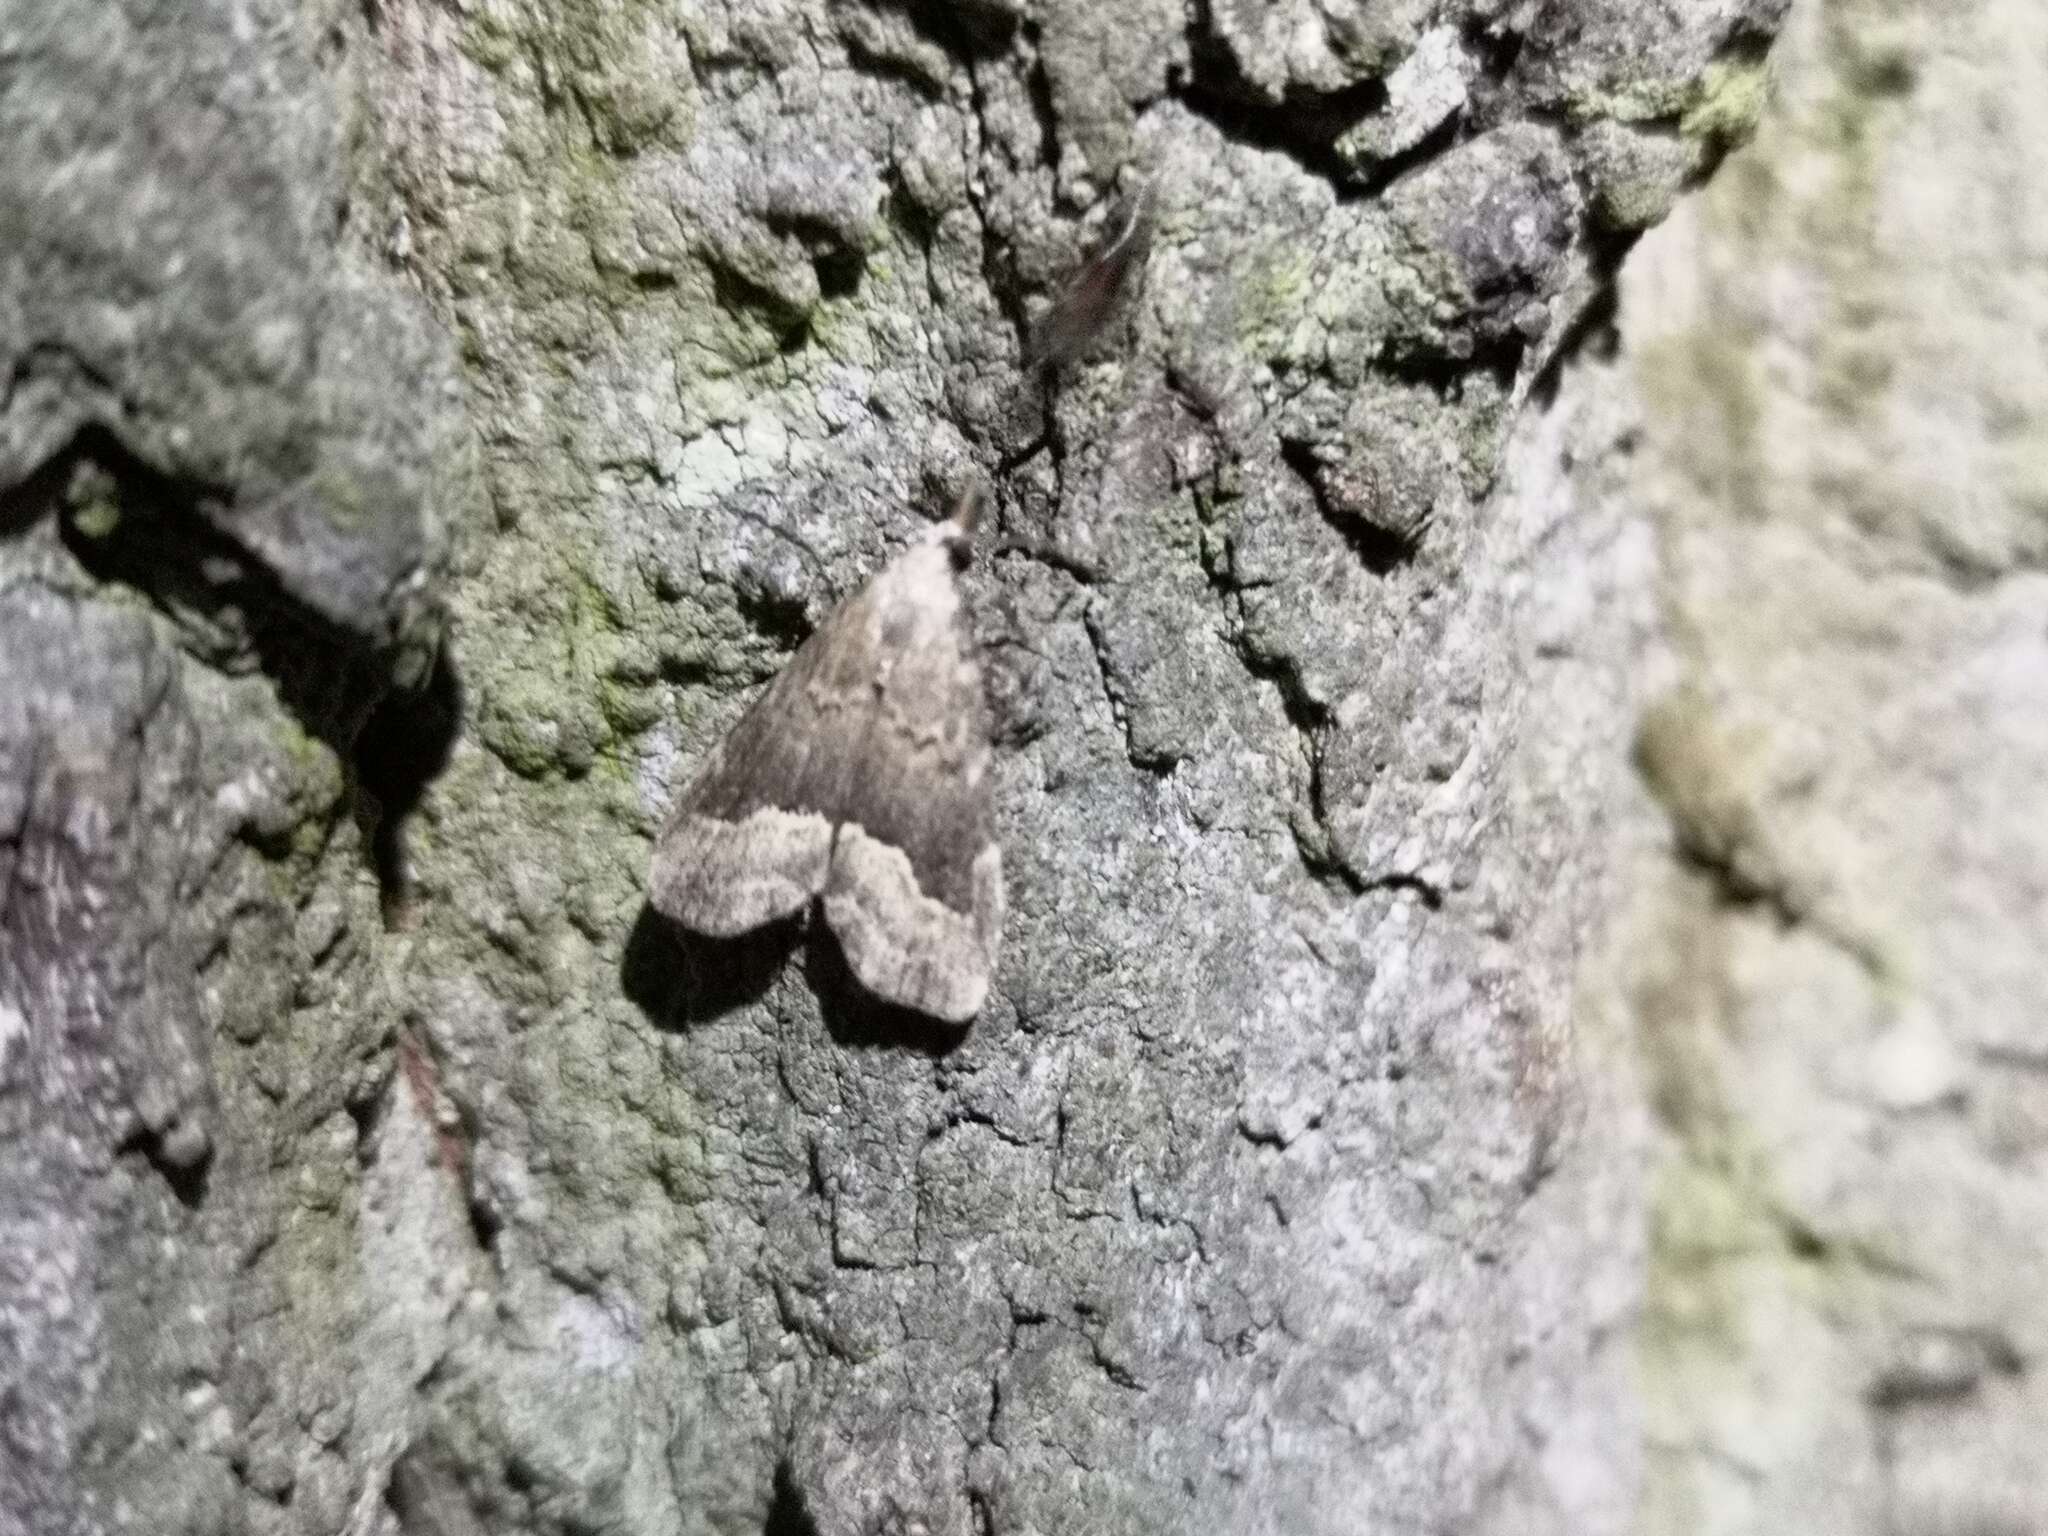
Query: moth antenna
(967, 512)
(1132, 224)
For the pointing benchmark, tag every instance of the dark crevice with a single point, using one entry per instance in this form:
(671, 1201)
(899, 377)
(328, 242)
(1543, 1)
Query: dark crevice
(1806, 1243)
(1038, 83)
(998, 272)
(484, 1223)
(722, 77)
(1266, 128)
(1079, 571)
(185, 1178)
(788, 1513)
(1431, 897)
(839, 272)
(738, 294)
(1380, 550)
(1444, 375)
(839, 264)
(1305, 713)
(1605, 249)
(1947, 1364)
(1502, 358)
(1159, 765)
(427, 1495)
(2016, 1058)
(1498, 49)
(51, 357)
(130, 525)
(25, 504)
(1039, 438)
(780, 619)
(1546, 1156)
(889, 69)
(1317, 856)
(1202, 399)
(1735, 887)
(1318, 853)
(1593, 330)
(795, 339)
(687, 669)
(1115, 1371)
(1027, 428)
(1750, 42)
(995, 1389)
(1374, 178)
(402, 748)
(1304, 126)
(1310, 720)
(902, 211)
(969, 29)
(1309, 717)
(367, 1108)
(1260, 1137)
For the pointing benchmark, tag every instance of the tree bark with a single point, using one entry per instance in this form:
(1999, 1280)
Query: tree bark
(1517, 748)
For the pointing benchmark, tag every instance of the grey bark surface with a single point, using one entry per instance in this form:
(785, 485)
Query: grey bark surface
(1517, 1011)
(1840, 350)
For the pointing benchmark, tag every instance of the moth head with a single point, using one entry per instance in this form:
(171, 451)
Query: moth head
(956, 533)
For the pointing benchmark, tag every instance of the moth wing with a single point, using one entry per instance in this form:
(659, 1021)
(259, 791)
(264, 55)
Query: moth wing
(905, 946)
(750, 840)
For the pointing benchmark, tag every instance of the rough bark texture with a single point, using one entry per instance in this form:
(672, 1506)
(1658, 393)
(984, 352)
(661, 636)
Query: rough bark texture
(1519, 1009)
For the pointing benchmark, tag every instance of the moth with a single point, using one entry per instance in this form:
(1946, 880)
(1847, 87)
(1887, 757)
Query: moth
(862, 776)
(1084, 305)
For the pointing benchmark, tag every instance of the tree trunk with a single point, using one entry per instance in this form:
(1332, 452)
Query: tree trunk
(1518, 753)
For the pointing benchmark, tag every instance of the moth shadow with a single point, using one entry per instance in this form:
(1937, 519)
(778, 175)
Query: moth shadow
(401, 750)
(856, 1018)
(681, 979)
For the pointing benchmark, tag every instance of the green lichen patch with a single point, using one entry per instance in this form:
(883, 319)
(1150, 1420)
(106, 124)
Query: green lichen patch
(1711, 777)
(1727, 104)
(1271, 299)
(1743, 1289)
(557, 693)
(591, 56)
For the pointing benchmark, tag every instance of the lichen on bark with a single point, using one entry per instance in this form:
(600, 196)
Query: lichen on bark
(1287, 1182)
